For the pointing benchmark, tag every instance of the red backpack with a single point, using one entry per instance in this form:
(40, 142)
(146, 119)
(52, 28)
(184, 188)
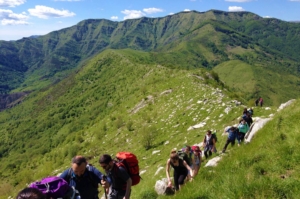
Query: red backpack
(129, 161)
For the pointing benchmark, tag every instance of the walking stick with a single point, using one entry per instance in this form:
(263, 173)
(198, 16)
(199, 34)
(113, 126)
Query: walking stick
(104, 179)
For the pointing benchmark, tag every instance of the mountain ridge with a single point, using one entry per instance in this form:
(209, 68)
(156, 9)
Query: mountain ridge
(53, 56)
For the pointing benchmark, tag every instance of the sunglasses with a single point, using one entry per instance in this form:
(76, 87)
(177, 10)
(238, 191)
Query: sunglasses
(104, 166)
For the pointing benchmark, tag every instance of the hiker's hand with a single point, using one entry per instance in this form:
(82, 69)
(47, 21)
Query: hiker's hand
(170, 183)
(104, 184)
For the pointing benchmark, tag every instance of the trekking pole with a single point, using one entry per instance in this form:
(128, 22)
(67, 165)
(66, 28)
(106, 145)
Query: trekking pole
(104, 179)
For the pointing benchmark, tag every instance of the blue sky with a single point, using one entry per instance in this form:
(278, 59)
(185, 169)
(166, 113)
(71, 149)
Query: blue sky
(23, 18)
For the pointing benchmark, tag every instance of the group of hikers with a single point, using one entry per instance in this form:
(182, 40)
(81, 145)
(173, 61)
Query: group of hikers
(186, 162)
(82, 181)
(259, 101)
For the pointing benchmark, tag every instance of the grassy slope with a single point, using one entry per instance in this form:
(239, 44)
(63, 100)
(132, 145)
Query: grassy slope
(252, 81)
(90, 113)
(265, 168)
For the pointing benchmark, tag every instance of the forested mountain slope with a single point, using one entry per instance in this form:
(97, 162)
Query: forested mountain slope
(183, 40)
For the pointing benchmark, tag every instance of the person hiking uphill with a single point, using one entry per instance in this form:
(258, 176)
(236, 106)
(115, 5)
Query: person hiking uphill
(181, 169)
(243, 129)
(248, 118)
(197, 159)
(209, 144)
(261, 101)
(257, 101)
(31, 193)
(232, 135)
(120, 185)
(83, 177)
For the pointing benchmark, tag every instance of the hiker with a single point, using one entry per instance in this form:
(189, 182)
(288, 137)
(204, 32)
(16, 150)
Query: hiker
(232, 135)
(83, 177)
(197, 159)
(120, 185)
(181, 169)
(251, 112)
(248, 118)
(189, 155)
(245, 111)
(30, 193)
(261, 101)
(243, 129)
(189, 158)
(209, 144)
(257, 101)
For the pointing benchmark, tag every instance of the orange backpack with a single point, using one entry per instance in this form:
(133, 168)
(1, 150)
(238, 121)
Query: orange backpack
(129, 161)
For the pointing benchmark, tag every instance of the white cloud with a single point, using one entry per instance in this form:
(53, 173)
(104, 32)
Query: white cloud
(11, 3)
(45, 12)
(239, 1)
(171, 13)
(267, 17)
(114, 17)
(152, 10)
(235, 9)
(186, 10)
(7, 17)
(133, 14)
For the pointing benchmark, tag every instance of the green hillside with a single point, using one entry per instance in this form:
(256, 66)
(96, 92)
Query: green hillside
(183, 40)
(265, 168)
(119, 100)
(113, 103)
(139, 85)
(252, 81)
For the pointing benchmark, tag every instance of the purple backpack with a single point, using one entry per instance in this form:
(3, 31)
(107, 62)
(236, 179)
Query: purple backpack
(53, 186)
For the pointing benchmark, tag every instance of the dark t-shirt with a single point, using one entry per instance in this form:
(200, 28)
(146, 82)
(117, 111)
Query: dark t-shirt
(180, 169)
(119, 177)
(87, 184)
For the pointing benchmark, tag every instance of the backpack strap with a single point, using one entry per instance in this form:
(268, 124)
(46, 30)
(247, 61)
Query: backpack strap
(69, 175)
(90, 174)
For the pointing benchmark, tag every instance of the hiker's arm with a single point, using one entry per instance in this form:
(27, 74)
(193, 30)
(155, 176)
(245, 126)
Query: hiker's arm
(105, 184)
(128, 188)
(168, 173)
(204, 142)
(188, 167)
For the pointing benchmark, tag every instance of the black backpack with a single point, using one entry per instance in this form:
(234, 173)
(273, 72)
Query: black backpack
(214, 135)
(182, 155)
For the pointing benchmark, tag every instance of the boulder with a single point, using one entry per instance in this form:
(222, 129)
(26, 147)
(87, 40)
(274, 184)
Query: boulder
(213, 162)
(227, 110)
(259, 123)
(158, 170)
(197, 126)
(282, 106)
(161, 186)
(155, 152)
(142, 172)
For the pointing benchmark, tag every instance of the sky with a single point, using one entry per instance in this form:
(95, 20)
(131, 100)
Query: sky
(24, 18)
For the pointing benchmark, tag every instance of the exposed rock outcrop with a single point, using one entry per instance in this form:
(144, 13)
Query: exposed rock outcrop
(10, 100)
